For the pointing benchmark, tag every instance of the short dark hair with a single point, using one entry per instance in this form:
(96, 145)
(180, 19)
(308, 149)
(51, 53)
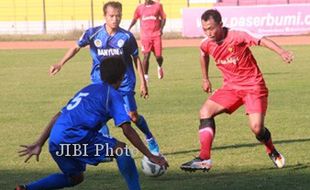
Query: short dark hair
(112, 69)
(114, 4)
(212, 13)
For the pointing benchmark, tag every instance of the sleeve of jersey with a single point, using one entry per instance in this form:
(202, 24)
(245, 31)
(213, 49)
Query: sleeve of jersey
(137, 13)
(84, 39)
(249, 38)
(133, 46)
(117, 109)
(162, 13)
(203, 48)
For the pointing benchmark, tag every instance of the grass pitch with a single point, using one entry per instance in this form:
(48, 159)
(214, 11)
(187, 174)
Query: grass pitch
(29, 98)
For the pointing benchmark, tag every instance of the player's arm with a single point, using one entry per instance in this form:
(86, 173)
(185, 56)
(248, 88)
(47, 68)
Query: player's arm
(285, 55)
(143, 87)
(133, 22)
(162, 25)
(36, 147)
(69, 54)
(204, 63)
(135, 18)
(162, 18)
(135, 139)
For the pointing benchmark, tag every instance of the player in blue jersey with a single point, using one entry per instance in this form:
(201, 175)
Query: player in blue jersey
(108, 40)
(75, 140)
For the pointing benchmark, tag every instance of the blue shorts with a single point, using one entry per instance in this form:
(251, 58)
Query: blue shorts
(96, 151)
(130, 102)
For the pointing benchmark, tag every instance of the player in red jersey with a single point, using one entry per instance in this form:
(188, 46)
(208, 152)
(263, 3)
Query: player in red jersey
(152, 21)
(243, 84)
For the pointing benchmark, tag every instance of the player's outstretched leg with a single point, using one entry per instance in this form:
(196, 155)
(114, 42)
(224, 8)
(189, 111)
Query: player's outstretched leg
(265, 138)
(128, 169)
(143, 126)
(206, 136)
(54, 181)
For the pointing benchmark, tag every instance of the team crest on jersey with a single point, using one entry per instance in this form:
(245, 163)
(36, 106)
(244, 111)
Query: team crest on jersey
(231, 49)
(120, 43)
(98, 43)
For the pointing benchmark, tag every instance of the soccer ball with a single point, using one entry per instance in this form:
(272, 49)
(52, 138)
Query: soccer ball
(151, 169)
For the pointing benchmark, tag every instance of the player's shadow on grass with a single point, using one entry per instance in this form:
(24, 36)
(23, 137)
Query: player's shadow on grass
(276, 73)
(289, 141)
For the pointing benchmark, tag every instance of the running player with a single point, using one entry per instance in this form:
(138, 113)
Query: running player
(152, 21)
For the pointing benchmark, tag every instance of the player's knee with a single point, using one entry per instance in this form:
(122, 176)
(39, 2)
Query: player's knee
(77, 179)
(207, 123)
(263, 135)
(134, 116)
(257, 127)
(206, 112)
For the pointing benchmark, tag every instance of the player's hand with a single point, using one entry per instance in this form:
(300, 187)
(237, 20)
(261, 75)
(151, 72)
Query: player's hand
(54, 69)
(206, 85)
(29, 151)
(287, 56)
(160, 160)
(144, 93)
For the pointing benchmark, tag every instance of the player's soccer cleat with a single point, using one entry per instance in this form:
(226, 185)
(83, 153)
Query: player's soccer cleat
(197, 164)
(153, 146)
(20, 187)
(277, 158)
(160, 72)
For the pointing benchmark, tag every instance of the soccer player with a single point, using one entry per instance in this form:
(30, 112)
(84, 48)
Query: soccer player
(109, 40)
(243, 85)
(74, 137)
(152, 21)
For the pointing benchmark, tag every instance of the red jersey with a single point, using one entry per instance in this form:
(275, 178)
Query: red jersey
(150, 19)
(235, 60)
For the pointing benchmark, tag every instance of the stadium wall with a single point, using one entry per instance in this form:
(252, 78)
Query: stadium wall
(263, 19)
(61, 16)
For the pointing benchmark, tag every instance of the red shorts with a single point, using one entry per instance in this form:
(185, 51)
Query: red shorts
(254, 100)
(152, 44)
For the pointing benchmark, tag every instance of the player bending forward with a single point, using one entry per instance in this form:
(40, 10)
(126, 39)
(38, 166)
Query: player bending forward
(243, 85)
(78, 124)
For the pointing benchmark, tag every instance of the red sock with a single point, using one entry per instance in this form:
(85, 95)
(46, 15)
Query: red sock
(269, 146)
(206, 136)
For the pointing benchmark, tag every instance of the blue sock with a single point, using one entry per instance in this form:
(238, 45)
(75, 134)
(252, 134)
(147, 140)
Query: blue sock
(128, 169)
(105, 130)
(142, 125)
(54, 181)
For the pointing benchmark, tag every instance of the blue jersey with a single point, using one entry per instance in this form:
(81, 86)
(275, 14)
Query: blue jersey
(82, 118)
(103, 45)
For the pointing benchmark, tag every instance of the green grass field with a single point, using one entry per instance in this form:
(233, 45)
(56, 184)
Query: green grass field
(29, 98)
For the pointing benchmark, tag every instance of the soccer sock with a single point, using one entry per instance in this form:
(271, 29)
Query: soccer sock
(128, 169)
(206, 136)
(265, 138)
(54, 181)
(142, 125)
(146, 77)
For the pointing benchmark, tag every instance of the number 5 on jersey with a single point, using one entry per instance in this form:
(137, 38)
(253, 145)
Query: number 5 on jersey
(75, 101)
